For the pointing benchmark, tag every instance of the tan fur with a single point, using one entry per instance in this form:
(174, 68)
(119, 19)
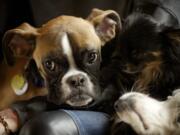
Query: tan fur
(174, 36)
(98, 16)
(156, 54)
(83, 38)
(150, 73)
(82, 31)
(7, 95)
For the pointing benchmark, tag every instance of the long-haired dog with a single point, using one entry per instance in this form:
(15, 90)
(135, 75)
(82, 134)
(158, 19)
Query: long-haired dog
(146, 51)
(148, 116)
(146, 57)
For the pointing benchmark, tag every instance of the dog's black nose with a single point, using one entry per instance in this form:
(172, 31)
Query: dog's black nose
(121, 105)
(76, 80)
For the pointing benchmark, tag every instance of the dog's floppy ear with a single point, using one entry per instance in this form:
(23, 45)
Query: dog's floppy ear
(173, 37)
(106, 23)
(19, 42)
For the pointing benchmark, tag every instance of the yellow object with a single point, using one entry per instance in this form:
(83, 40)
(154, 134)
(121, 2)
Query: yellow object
(19, 84)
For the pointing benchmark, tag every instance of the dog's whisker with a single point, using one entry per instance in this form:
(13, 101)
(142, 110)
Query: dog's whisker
(124, 90)
(133, 88)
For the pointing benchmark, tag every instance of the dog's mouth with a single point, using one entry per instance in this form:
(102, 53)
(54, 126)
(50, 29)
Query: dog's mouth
(79, 100)
(141, 119)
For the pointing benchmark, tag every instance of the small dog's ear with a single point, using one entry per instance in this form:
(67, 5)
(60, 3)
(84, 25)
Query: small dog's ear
(19, 42)
(106, 23)
(173, 37)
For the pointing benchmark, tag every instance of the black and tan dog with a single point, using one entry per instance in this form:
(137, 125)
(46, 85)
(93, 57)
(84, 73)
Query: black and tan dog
(146, 59)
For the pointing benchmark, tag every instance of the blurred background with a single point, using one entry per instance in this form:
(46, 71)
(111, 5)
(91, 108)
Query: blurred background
(37, 12)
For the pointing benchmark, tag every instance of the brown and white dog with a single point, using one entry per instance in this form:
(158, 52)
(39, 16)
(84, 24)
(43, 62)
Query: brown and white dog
(148, 116)
(67, 52)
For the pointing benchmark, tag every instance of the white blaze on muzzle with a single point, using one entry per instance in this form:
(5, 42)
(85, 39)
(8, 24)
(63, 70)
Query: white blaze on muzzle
(67, 51)
(66, 47)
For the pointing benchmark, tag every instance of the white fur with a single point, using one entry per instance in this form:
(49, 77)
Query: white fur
(67, 50)
(159, 117)
(66, 47)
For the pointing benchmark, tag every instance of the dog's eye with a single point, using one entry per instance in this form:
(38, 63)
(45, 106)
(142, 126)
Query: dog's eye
(92, 57)
(50, 65)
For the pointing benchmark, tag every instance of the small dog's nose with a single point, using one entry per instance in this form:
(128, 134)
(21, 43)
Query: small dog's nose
(120, 105)
(76, 80)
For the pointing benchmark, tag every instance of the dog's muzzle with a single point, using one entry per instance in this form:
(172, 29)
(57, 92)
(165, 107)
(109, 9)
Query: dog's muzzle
(79, 89)
(78, 85)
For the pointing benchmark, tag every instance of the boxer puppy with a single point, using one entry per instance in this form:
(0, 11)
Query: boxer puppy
(67, 52)
(148, 116)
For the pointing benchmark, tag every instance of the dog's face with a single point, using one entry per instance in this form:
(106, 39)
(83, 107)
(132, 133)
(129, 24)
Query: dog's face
(68, 55)
(67, 51)
(147, 115)
(145, 47)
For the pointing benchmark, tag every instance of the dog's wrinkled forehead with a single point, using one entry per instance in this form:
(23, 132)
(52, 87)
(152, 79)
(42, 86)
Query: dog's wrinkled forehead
(80, 33)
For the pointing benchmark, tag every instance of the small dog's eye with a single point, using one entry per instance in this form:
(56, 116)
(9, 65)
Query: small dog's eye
(50, 65)
(92, 57)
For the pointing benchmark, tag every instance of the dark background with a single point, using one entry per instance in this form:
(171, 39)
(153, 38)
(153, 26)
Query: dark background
(37, 12)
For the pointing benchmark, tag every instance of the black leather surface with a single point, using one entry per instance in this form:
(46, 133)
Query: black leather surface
(166, 12)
